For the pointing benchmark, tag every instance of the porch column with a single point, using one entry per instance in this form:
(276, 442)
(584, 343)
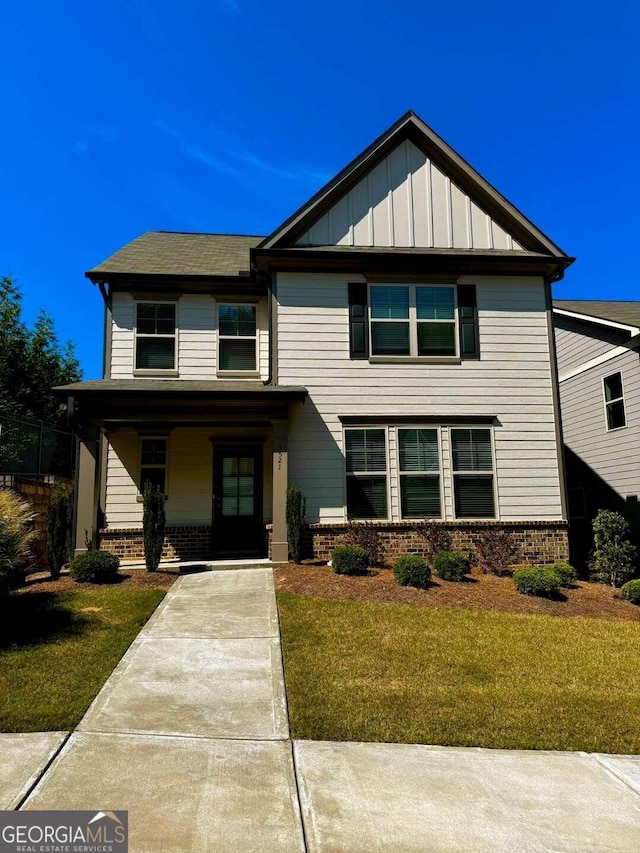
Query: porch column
(86, 494)
(279, 546)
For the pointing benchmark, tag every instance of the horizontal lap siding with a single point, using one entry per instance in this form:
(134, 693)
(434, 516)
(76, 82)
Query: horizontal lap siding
(511, 381)
(577, 343)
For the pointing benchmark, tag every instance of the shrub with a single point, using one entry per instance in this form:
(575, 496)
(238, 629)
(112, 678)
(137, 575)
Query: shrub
(496, 550)
(153, 525)
(613, 559)
(631, 591)
(365, 534)
(59, 526)
(565, 572)
(412, 570)
(537, 580)
(349, 560)
(436, 537)
(296, 507)
(451, 565)
(94, 567)
(16, 536)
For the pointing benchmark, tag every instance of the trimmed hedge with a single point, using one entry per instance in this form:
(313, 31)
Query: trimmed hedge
(537, 580)
(94, 567)
(349, 560)
(412, 570)
(451, 565)
(631, 591)
(565, 572)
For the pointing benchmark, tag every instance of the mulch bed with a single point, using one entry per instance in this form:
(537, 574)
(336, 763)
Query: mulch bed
(482, 591)
(127, 578)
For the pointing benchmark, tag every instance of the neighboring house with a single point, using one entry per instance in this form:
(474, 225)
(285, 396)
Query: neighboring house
(597, 346)
(388, 349)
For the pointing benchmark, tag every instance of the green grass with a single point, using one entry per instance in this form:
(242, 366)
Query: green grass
(58, 649)
(455, 676)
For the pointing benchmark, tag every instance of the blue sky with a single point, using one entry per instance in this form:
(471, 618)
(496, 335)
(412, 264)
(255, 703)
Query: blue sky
(226, 115)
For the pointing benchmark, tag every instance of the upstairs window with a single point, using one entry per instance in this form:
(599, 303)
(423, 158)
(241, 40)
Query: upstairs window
(614, 401)
(153, 463)
(366, 457)
(472, 463)
(419, 470)
(237, 338)
(413, 321)
(155, 336)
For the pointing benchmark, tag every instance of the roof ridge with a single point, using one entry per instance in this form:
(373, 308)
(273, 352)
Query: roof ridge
(206, 234)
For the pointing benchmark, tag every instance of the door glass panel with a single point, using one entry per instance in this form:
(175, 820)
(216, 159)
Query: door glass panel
(238, 483)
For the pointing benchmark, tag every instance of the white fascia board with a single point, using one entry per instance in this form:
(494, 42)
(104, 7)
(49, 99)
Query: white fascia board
(633, 330)
(634, 343)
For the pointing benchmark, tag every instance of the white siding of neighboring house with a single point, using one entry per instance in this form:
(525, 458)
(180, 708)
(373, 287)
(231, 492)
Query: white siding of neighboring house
(197, 337)
(511, 381)
(407, 201)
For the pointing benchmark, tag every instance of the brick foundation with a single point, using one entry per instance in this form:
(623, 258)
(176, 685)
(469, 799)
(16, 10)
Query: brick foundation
(182, 543)
(540, 542)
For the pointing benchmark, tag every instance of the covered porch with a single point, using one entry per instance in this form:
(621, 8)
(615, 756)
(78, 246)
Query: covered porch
(218, 449)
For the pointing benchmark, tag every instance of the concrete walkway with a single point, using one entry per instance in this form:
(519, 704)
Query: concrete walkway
(190, 735)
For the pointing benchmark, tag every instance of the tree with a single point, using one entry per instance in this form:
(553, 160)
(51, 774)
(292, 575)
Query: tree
(32, 361)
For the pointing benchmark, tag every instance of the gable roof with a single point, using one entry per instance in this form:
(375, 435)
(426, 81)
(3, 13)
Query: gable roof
(180, 254)
(410, 127)
(626, 314)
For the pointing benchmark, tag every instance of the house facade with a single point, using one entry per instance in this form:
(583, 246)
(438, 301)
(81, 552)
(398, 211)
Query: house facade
(389, 349)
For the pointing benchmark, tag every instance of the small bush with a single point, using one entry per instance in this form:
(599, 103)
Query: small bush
(94, 567)
(496, 550)
(631, 591)
(451, 565)
(296, 507)
(537, 580)
(614, 557)
(412, 570)
(16, 536)
(153, 524)
(349, 560)
(565, 572)
(59, 526)
(365, 534)
(437, 538)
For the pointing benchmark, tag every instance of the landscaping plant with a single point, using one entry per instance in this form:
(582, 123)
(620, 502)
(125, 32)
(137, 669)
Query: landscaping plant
(59, 525)
(496, 550)
(537, 580)
(349, 560)
(153, 525)
(565, 572)
(436, 537)
(94, 567)
(296, 508)
(631, 591)
(16, 536)
(365, 534)
(614, 557)
(412, 570)
(451, 565)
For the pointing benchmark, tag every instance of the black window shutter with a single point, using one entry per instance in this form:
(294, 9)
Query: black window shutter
(468, 319)
(358, 321)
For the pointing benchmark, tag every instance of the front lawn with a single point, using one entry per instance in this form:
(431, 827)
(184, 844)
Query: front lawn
(460, 676)
(57, 648)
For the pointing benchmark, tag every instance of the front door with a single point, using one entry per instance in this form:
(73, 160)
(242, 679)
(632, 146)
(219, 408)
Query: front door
(238, 530)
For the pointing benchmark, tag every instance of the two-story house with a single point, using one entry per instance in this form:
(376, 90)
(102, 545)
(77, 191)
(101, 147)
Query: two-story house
(389, 349)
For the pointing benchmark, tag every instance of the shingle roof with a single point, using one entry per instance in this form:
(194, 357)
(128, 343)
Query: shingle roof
(208, 387)
(626, 313)
(181, 254)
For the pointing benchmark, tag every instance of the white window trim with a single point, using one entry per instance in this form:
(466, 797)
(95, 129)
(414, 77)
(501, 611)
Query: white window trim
(237, 374)
(494, 473)
(155, 371)
(165, 438)
(617, 400)
(387, 472)
(400, 473)
(413, 325)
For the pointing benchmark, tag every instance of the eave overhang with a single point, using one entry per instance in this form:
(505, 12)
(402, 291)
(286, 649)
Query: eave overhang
(248, 285)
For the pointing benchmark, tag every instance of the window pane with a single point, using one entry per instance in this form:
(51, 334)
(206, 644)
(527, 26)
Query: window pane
(418, 450)
(471, 450)
(435, 303)
(237, 320)
(237, 354)
(474, 496)
(615, 415)
(390, 339)
(365, 450)
(613, 387)
(420, 496)
(436, 339)
(155, 476)
(155, 319)
(153, 451)
(155, 353)
(367, 497)
(390, 303)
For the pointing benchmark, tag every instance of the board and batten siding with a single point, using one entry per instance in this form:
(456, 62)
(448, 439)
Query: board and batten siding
(196, 320)
(407, 201)
(613, 455)
(511, 381)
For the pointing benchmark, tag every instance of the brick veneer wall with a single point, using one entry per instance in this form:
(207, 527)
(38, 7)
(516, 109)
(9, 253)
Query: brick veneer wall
(540, 542)
(183, 543)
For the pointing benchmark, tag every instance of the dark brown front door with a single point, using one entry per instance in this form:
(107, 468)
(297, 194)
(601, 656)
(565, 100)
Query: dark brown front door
(238, 530)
